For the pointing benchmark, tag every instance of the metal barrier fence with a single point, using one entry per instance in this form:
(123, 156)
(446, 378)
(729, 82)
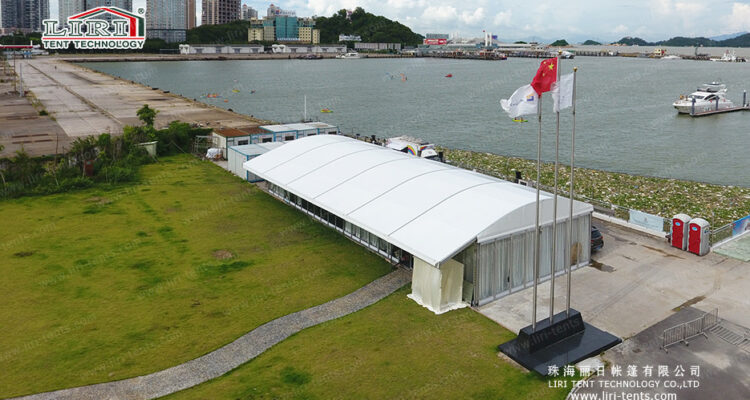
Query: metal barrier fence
(689, 330)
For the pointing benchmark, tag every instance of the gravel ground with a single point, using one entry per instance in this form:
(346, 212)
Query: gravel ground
(242, 350)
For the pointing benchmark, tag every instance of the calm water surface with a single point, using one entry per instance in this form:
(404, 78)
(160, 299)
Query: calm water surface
(625, 121)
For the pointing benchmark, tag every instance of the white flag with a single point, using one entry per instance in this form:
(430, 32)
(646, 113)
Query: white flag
(523, 101)
(562, 92)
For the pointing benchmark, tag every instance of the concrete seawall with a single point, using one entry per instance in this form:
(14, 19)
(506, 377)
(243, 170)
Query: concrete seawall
(81, 102)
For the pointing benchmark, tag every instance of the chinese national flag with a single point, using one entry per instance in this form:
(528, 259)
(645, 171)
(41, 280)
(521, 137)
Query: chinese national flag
(545, 76)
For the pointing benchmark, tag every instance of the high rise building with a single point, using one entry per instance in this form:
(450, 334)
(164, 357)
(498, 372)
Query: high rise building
(66, 8)
(220, 11)
(8, 16)
(166, 20)
(190, 14)
(248, 12)
(23, 15)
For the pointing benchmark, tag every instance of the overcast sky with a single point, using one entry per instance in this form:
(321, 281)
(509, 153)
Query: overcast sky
(575, 20)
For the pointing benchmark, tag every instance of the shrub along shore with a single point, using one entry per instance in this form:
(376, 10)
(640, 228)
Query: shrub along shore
(717, 204)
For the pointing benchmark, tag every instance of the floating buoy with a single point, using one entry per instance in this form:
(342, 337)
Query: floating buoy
(235, 91)
(449, 76)
(326, 110)
(226, 101)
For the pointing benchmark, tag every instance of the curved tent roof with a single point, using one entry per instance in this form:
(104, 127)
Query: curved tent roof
(430, 209)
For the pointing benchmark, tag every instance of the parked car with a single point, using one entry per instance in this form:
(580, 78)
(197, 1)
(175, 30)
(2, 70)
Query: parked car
(597, 240)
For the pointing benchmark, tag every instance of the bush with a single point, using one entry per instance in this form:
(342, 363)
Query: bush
(43, 113)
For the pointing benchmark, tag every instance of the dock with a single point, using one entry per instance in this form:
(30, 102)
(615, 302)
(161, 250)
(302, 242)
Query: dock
(746, 107)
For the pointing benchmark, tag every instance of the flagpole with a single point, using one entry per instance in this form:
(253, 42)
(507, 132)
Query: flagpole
(536, 223)
(553, 262)
(572, 169)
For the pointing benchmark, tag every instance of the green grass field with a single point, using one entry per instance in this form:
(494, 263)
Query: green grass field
(392, 349)
(99, 285)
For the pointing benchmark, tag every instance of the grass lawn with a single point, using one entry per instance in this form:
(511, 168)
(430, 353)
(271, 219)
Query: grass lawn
(99, 285)
(392, 349)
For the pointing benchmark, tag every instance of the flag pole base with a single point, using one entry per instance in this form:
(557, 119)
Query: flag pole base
(564, 340)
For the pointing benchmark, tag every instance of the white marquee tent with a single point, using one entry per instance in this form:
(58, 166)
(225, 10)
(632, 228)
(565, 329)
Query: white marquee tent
(470, 235)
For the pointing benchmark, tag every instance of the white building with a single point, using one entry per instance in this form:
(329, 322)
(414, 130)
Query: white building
(305, 49)
(469, 237)
(220, 49)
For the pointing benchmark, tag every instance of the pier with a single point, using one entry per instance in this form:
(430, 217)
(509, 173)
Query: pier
(746, 107)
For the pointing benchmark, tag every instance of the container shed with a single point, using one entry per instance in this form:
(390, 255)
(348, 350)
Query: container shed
(238, 155)
(469, 237)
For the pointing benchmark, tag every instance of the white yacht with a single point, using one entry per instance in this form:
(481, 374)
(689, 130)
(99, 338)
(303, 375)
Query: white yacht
(671, 57)
(351, 54)
(705, 98)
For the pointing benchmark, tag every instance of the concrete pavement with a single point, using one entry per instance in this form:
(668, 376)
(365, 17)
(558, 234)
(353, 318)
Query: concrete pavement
(634, 282)
(82, 102)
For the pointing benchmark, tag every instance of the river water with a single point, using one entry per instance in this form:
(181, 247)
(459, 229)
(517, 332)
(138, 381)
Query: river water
(624, 118)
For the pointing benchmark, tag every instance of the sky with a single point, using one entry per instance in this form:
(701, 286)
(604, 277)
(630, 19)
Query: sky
(573, 20)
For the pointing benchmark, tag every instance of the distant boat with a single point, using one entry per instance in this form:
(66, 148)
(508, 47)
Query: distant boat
(449, 76)
(671, 57)
(326, 110)
(520, 120)
(235, 91)
(351, 54)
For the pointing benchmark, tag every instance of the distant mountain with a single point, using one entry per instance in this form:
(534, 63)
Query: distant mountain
(727, 36)
(591, 43)
(559, 43)
(681, 41)
(739, 41)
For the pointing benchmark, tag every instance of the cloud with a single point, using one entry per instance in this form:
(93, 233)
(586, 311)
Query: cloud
(739, 19)
(439, 13)
(472, 18)
(620, 29)
(503, 17)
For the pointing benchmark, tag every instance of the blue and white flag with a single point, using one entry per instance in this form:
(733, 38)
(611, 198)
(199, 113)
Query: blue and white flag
(523, 101)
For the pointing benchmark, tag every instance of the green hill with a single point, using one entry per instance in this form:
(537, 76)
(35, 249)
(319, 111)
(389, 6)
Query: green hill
(591, 43)
(560, 43)
(633, 41)
(231, 33)
(372, 28)
(682, 41)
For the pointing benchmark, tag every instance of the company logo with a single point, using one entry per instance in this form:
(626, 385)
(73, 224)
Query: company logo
(124, 30)
(530, 97)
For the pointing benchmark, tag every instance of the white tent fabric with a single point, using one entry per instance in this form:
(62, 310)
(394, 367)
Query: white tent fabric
(430, 209)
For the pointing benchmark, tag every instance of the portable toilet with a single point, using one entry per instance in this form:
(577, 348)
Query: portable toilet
(680, 224)
(698, 236)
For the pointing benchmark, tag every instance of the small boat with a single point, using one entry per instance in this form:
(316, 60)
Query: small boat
(449, 76)
(351, 54)
(520, 120)
(235, 91)
(252, 91)
(326, 110)
(671, 57)
(707, 97)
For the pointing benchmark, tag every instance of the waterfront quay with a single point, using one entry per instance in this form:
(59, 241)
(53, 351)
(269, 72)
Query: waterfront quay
(64, 101)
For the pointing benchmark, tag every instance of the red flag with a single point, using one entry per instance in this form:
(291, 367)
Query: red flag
(545, 76)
